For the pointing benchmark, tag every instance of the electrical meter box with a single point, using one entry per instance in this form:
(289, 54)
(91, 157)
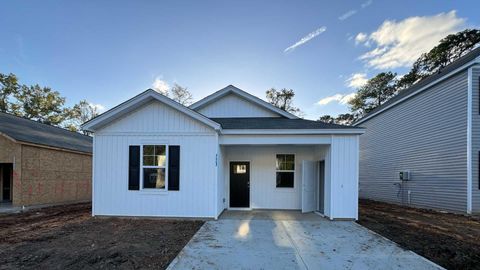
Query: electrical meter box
(405, 175)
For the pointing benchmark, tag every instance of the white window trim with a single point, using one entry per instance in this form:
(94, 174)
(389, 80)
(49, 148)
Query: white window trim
(294, 170)
(154, 190)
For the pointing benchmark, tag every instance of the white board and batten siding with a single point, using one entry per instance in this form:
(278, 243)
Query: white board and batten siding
(427, 135)
(155, 124)
(232, 105)
(343, 174)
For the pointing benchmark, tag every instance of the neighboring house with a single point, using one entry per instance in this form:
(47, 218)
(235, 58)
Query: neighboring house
(432, 132)
(43, 164)
(156, 157)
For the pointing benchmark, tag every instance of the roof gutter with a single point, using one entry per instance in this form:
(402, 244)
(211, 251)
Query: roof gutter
(446, 76)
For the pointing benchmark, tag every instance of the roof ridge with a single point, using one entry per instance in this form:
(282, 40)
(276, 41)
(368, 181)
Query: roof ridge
(48, 125)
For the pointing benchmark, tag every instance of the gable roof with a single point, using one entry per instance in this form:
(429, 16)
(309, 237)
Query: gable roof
(458, 65)
(29, 131)
(135, 103)
(230, 89)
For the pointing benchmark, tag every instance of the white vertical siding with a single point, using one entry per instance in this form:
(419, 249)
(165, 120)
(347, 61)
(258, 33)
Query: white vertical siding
(221, 199)
(155, 124)
(232, 105)
(344, 177)
(156, 117)
(263, 191)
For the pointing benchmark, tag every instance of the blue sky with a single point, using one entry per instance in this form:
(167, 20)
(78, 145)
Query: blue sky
(108, 51)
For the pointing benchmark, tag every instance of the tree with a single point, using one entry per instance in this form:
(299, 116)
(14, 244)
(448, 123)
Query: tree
(374, 93)
(181, 95)
(341, 119)
(327, 119)
(448, 50)
(41, 104)
(81, 113)
(283, 99)
(345, 119)
(8, 88)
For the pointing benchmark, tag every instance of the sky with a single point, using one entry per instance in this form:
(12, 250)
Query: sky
(108, 51)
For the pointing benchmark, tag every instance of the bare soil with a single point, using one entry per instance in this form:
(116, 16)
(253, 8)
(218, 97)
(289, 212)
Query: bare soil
(450, 240)
(67, 237)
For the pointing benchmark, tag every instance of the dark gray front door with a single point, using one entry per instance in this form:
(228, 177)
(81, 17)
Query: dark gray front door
(321, 187)
(240, 184)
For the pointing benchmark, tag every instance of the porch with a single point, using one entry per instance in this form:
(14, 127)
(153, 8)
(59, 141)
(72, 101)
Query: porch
(308, 173)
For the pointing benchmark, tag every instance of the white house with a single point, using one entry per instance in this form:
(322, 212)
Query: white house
(230, 150)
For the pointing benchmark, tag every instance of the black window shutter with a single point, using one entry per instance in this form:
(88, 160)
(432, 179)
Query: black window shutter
(134, 167)
(174, 167)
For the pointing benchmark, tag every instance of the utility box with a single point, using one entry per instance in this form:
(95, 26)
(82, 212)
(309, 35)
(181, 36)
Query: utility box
(405, 175)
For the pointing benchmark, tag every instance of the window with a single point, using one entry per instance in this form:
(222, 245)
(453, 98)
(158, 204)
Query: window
(240, 169)
(285, 169)
(154, 161)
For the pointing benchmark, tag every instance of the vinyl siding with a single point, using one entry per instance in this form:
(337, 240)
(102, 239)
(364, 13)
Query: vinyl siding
(155, 124)
(475, 140)
(232, 105)
(425, 134)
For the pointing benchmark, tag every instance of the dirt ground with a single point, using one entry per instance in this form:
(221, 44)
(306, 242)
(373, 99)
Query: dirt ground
(67, 237)
(450, 240)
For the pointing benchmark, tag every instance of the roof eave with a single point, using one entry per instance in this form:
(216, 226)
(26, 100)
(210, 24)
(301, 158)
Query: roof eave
(350, 131)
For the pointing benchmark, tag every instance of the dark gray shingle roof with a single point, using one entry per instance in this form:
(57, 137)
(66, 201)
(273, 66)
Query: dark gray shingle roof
(444, 71)
(25, 130)
(274, 123)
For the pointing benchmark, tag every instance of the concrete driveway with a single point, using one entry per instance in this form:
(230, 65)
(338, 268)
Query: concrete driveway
(291, 240)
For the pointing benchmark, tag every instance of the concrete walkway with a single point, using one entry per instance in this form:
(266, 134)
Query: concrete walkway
(291, 240)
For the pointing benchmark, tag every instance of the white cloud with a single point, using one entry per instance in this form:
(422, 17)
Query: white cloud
(340, 98)
(357, 80)
(347, 15)
(306, 38)
(367, 3)
(160, 86)
(399, 44)
(98, 107)
(361, 38)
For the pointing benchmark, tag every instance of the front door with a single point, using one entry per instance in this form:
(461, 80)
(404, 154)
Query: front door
(240, 184)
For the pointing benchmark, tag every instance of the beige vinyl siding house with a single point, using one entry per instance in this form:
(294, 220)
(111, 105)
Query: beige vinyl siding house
(432, 131)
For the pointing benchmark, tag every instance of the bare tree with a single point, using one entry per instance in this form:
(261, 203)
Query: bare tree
(181, 95)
